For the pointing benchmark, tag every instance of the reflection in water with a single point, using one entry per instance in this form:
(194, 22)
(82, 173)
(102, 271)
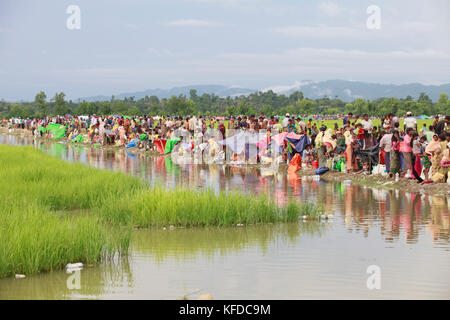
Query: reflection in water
(91, 282)
(406, 234)
(361, 207)
(192, 244)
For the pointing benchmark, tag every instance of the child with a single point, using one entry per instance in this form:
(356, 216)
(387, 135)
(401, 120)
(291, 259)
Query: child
(426, 160)
(360, 135)
(308, 155)
(416, 165)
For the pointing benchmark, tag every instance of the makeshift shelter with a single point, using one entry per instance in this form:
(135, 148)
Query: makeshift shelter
(57, 131)
(78, 138)
(237, 142)
(299, 145)
(132, 144)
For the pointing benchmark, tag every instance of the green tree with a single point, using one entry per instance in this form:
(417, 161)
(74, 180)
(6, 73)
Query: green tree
(443, 105)
(82, 108)
(105, 108)
(267, 110)
(41, 103)
(60, 104)
(305, 106)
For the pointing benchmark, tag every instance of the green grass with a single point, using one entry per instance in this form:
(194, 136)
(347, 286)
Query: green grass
(54, 212)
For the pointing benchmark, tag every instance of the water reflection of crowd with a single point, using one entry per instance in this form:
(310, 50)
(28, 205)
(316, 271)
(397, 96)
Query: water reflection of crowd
(395, 211)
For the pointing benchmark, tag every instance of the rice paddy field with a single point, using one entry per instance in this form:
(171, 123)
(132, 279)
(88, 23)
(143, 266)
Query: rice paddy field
(53, 212)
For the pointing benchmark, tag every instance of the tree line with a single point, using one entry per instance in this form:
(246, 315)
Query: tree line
(256, 103)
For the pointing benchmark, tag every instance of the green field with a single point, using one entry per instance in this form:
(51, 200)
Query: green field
(53, 212)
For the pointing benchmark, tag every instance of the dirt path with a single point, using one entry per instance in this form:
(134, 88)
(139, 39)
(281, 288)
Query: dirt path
(377, 181)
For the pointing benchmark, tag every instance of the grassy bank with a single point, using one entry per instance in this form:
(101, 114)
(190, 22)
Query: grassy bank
(53, 212)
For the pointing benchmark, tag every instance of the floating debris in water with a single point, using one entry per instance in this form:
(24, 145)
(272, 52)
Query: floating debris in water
(74, 267)
(239, 225)
(77, 265)
(20, 276)
(171, 227)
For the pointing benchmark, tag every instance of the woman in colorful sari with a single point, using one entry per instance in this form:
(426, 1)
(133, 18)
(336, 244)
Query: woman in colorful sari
(349, 141)
(395, 166)
(434, 150)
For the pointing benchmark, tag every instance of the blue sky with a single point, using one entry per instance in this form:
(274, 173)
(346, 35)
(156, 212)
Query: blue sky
(133, 45)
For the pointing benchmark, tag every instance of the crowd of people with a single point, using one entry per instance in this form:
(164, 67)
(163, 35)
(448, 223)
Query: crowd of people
(356, 145)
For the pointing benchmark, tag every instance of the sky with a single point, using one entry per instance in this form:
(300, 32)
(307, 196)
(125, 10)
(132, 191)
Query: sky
(134, 45)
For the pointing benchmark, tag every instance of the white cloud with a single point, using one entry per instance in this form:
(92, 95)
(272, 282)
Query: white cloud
(190, 23)
(428, 66)
(280, 89)
(329, 8)
(323, 32)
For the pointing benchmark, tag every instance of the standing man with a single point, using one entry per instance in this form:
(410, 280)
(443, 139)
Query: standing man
(442, 126)
(285, 121)
(367, 127)
(347, 119)
(409, 122)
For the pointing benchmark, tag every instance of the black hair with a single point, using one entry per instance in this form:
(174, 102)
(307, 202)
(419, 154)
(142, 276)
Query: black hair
(412, 139)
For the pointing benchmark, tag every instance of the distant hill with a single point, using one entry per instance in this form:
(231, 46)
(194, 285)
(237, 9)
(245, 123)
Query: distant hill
(221, 91)
(351, 90)
(343, 89)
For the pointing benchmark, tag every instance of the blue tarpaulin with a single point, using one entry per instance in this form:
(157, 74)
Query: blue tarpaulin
(300, 145)
(132, 144)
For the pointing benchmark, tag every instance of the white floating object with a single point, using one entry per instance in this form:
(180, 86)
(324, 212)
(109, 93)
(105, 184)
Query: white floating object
(239, 225)
(20, 276)
(305, 217)
(171, 227)
(164, 228)
(323, 216)
(74, 265)
(72, 270)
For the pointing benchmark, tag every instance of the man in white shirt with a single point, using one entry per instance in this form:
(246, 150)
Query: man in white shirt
(285, 121)
(386, 144)
(410, 122)
(366, 123)
(192, 122)
(367, 126)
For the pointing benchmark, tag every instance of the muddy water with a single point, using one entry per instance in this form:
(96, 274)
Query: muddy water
(405, 235)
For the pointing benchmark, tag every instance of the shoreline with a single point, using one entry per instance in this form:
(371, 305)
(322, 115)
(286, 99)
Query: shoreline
(374, 181)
